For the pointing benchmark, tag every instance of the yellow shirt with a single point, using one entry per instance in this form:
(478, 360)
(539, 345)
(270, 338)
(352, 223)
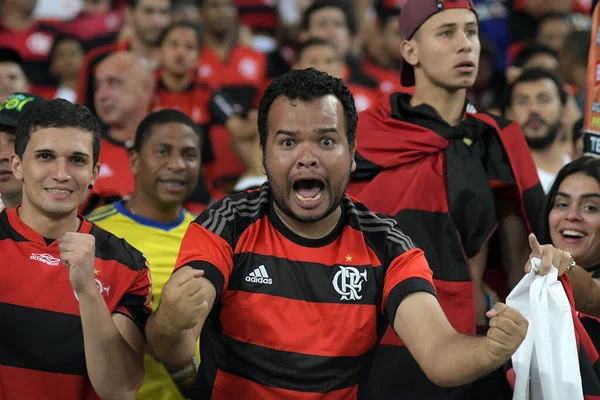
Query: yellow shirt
(160, 244)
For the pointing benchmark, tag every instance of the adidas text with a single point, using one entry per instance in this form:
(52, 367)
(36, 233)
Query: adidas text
(253, 279)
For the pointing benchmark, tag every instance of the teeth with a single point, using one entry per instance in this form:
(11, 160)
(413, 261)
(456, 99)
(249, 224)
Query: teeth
(173, 183)
(307, 199)
(573, 233)
(58, 191)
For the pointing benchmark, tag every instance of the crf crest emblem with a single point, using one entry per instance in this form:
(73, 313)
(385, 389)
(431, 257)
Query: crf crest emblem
(348, 283)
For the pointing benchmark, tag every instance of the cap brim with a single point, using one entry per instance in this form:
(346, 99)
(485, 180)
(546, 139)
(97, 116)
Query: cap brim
(8, 121)
(407, 74)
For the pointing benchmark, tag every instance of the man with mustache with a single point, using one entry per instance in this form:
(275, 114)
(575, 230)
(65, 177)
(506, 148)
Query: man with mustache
(537, 103)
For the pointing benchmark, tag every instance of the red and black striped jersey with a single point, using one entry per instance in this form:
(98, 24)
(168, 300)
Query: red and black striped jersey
(241, 77)
(296, 317)
(42, 354)
(33, 45)
(261, 16)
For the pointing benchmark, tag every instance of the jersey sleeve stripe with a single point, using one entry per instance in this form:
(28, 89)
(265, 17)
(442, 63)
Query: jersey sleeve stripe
(318, 374)
(243, 207)
(212, 273)
(403, 289)
(134, 304)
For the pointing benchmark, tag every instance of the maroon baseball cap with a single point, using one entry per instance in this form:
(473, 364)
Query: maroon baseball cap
(413, 15)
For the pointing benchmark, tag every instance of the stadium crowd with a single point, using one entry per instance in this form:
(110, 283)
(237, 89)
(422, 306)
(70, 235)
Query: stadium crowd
(328, 199)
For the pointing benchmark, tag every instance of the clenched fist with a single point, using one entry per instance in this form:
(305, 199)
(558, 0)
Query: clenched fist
(183, 300)
(507, 331)
(77, 253)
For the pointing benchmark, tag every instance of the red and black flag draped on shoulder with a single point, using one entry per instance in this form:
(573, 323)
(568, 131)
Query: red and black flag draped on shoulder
(440, 183)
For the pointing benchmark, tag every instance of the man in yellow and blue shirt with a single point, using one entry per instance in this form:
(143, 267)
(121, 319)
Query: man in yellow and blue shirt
(165, 161)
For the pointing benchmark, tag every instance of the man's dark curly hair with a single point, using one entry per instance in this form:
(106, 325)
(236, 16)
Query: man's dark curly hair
(307, 85)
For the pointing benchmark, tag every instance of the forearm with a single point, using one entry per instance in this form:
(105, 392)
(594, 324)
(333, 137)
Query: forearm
(168, 346)
(461, 359)
(240, 128)
(115, 369)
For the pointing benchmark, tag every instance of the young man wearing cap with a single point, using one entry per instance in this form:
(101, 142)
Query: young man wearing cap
(10, 113)
(465, 187)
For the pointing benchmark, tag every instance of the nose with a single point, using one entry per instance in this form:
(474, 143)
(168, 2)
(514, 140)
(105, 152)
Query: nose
(306, 158)
(61, 173)
(573, 214)
(176, 163)
(465, 44)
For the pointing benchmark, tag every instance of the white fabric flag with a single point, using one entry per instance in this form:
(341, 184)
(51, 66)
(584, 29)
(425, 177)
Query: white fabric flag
(546, 365)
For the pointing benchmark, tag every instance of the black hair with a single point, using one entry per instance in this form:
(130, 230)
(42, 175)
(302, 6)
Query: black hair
(589, 166)
(339, 4)
(302, 46)
(161, 117)
(530, 51)
(181, 24)
(577, 130)
(577, 44)
(134, 3)
(57, 113)
(62, 37)
(552, 15)
(10, 55)
(534, 75)
(385, 15)
(307, 85)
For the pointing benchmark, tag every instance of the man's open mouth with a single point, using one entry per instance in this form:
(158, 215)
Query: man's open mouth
(308, 189)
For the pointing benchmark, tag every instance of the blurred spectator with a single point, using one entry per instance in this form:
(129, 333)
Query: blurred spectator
(12, 75)
(484, 94)
(10, 112)
(537, 103)
(92, 7)
(66, 56)
(335, 21)
(147, 20)
(124, 86)
(95, 25)
(31, 38)
(179, 87)
(240, 73)
(383, 64)
(186, 10)
(574, 63)
(321, 55)
(577, 139)
(552, 30)
(533, 56)
(262, 18)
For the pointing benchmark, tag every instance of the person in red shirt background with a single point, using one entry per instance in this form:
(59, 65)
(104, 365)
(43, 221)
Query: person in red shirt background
(124, 86)
(65, 59)
(31, 38)
(146, 21)
(239, 72)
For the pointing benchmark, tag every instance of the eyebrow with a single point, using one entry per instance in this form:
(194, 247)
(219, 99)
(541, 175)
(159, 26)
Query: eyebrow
(584, 196)
(75, 153)
(320, 131)
(454, 24)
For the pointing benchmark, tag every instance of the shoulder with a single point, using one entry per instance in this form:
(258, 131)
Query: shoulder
(236, 212)
(381, 232)
(102, 213)
(97, 54)
(111, 248)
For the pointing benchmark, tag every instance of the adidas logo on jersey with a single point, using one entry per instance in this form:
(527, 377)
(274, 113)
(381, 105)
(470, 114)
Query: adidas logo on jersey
(259, 275)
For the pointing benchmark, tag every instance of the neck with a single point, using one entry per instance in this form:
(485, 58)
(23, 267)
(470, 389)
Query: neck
(139, 47)
(175, 83)
(122, 133)
(580, 76)
(48, 226)
(15, 19)
(220, 44)
(70, 83)
(550, 159)
(145, 207)
(11, 200)
(448, 104)
(311, 230)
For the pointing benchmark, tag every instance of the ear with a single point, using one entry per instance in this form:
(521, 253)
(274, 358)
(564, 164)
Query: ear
(134, 160)
(263, 168)
(509, 114)
(409, 52)
(353, 165)
(16, 166)
(303, 36)
(95, 173)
